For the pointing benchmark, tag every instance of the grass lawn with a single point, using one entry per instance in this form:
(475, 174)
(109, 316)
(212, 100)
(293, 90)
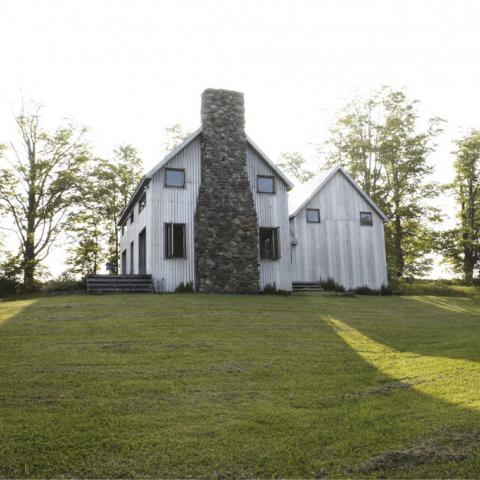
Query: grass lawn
(240, 386)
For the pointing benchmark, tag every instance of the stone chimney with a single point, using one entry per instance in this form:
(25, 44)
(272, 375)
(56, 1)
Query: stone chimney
(226, 231)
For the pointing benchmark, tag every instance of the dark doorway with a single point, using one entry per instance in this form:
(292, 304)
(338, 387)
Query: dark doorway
(132, 251)
(124, 262)
(142, 252)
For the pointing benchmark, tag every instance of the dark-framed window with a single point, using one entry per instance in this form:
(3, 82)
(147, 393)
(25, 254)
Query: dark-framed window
(266, 184)
(142, 202)
(132, 257)
(175, 177)
(132, 216)
(269, 241)
(175, 240)
(124, 262)
(313, 215)
(124, 229)
(366, 219)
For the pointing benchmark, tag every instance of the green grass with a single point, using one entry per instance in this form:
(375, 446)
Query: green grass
(188, 385)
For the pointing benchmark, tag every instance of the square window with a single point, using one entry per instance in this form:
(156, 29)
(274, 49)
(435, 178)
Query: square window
(175, 177)
(175, 242)
(269, 243)
(366, 219)
(313, 215)
(265, 184)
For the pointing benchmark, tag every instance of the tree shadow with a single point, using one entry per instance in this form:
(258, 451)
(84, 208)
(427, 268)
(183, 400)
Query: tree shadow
(277, 392)
(435, 326)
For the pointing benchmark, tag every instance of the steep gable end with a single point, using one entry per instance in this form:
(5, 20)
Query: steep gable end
(302, 195)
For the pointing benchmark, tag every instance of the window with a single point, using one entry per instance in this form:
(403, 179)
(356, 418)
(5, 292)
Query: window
(132, 216)
(124, 229)
(132, 250)
(175, 241)
(265, 184)
(124, 262)
(142, 202)
(313, 215)
(175, 177)
(366, 219)
(269, 243)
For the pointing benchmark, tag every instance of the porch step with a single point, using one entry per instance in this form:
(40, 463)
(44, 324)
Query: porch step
(306, 287)
(119, 283)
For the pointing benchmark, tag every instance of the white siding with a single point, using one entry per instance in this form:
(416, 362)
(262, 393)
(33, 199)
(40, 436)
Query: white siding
(132, 231)
(175, 205)
(272, 211)
(339, 247)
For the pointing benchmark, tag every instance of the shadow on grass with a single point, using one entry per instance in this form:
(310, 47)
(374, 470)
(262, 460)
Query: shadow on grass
(434, 326)
(221, 387)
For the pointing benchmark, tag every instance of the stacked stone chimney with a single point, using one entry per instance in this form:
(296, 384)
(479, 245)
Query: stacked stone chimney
(226, 231)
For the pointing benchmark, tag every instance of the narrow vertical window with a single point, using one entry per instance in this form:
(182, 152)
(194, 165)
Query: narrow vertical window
(132, 259)
(142, 202)
(132, 216)
(269, 243)
(175, 240)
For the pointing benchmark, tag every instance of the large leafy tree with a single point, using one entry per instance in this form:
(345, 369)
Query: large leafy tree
(106, 189)
(295, 164)
(379, 141)
(461, 245)
(39, 182)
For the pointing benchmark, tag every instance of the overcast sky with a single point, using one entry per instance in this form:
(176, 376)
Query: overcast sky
(128, 69)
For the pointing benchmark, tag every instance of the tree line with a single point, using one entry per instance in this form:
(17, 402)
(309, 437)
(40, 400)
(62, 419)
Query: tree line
(54, 189)
(383, 145)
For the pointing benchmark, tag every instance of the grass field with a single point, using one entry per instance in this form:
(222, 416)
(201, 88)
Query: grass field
(236, 386)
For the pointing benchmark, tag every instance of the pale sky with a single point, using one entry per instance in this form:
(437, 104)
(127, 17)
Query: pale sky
(128, 69)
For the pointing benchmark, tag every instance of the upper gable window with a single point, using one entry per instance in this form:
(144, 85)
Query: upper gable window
(265, 184)
(313, 215)
(175, 177)
(366, 219)
(142, 202)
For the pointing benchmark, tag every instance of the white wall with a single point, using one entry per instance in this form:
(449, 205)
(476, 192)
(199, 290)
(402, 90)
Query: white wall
(339, 247)
(272, 211)
(132, 231)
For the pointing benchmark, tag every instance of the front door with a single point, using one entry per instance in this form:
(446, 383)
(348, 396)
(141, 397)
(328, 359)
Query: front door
(142, 252)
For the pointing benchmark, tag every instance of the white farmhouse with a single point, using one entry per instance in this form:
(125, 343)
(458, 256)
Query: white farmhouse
(214, 213)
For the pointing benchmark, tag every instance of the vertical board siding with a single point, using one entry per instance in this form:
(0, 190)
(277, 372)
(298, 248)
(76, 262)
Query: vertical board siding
(339, 247)
(141, 220)
(175, 205)
(272, 211)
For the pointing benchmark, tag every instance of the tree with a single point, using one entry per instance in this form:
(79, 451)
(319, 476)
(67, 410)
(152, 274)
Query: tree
(379, 142)
(87, 226)
(293, 163)
(461, 245)
(174, 134)
(40, 184)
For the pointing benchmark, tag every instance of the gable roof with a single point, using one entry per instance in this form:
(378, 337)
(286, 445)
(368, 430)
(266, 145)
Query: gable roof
(148, 176)
(302, 194)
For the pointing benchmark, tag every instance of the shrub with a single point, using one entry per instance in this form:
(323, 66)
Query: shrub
(64, 283)
(330, 285)
(271, 289)
(184, 287)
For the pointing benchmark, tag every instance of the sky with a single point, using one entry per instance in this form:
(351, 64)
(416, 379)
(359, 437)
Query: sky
(129, 69)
